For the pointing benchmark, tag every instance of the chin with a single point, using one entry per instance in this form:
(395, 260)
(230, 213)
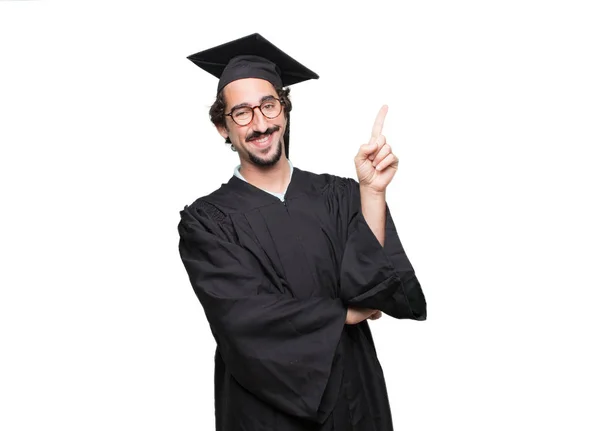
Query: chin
(269, 156)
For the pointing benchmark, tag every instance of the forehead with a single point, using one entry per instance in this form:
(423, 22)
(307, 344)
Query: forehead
(247, 90)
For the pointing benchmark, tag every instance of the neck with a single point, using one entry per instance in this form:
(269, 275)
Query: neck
(273, 178)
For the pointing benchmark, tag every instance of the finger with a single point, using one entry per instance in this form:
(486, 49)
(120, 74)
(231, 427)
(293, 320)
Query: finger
(375, 315)
(367, 150)
(378, 126)
(386, 162)
(368, 313)
(380, 141)
(382, 154)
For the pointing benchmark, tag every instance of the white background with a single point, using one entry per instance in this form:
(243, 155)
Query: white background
(104, 137)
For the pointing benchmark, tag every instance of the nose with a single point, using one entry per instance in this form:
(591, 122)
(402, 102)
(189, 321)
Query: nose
(259, 121)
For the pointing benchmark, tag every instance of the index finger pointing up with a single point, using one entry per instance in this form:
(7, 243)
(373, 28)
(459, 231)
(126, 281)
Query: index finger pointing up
(378, 126)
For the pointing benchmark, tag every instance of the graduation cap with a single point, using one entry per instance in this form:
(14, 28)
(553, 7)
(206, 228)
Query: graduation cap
(253, 56)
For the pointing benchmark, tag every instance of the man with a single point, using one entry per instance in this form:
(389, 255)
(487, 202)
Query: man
(289, 265)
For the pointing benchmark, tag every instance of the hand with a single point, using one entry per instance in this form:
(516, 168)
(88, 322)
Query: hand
(375, 163)
(375, 315)
(357, 315)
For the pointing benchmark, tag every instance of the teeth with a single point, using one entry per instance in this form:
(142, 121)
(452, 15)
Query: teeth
(262, 140)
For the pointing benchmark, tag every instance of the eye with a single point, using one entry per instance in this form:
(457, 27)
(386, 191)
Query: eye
(238, 113)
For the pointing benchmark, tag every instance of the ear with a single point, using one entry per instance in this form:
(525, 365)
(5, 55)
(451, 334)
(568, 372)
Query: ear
(223, 131)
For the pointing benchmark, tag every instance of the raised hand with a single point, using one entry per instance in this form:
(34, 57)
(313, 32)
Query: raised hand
(375, 163)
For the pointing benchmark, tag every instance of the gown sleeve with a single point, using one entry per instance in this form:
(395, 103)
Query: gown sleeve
(373, 276)
(278, 347)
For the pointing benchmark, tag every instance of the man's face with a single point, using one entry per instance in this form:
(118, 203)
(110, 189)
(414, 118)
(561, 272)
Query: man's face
(261, 140)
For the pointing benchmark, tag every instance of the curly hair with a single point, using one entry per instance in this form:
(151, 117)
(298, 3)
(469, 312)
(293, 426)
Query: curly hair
(217, 110)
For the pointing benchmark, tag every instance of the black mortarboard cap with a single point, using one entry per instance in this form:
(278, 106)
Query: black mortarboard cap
(252, 56)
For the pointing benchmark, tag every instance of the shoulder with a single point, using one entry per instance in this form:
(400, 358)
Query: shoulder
(213, 205)
(326, 183)
(203, 208)
(205, 213)
(339, 195)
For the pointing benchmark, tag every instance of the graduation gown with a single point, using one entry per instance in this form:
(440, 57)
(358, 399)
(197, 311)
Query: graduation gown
(275, 280)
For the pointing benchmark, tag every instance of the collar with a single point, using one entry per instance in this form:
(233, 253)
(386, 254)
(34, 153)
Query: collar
(280, 196)
(239, 195)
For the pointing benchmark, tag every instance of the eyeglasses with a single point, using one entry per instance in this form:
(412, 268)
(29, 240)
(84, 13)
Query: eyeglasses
(243, 116)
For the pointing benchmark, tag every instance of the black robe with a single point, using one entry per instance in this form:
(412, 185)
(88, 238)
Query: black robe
(275, 280)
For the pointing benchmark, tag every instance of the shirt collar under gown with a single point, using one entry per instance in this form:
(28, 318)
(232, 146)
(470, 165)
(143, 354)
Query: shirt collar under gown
(249, 196)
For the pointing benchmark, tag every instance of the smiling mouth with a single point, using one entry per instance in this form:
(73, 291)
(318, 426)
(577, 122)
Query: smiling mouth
(262, 142)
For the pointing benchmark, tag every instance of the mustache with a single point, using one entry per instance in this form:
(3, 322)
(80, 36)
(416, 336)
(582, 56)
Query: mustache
(256, 135)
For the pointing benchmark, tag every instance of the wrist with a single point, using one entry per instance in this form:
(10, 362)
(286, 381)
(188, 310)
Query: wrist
(372, 193)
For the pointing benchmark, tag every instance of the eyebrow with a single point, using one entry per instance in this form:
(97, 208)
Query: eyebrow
(247, 105)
